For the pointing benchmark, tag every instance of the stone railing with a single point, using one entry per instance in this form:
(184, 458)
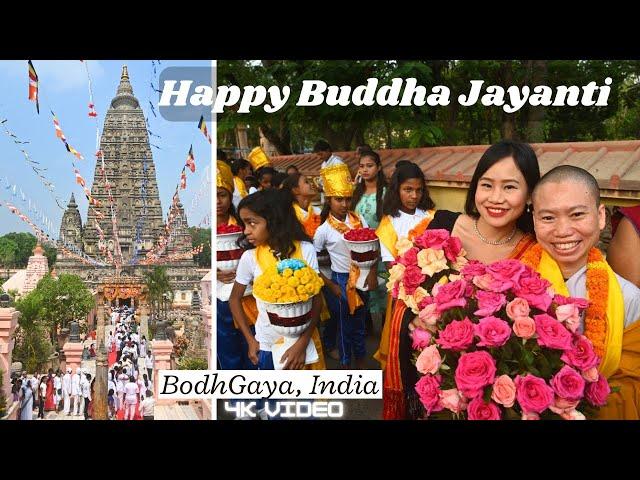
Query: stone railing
(12, 412)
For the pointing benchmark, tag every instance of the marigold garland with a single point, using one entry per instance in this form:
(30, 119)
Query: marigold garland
(595, 322)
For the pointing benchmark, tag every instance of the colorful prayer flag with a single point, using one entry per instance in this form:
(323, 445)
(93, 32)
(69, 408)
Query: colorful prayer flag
(33, 86)
(191, 160)
(203, 128)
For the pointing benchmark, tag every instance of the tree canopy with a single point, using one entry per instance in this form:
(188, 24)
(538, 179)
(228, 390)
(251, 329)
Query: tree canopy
(295, 129)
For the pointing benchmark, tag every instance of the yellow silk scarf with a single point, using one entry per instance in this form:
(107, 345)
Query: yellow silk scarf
(353, 299)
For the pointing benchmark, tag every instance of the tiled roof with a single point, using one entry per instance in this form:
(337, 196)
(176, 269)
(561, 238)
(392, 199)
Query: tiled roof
(615, 164)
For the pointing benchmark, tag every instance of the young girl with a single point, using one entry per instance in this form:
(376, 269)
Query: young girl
(407, 210)
(231, 346)
(272, 228)
(347, 305)
(265, 177)
(241, 169)
(302, 192)
(367, 198)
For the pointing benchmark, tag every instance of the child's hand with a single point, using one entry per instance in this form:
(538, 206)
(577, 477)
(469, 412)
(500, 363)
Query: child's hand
(295, 356)
(372, 280)
(254, 347)
(226, 276)
(335, 289)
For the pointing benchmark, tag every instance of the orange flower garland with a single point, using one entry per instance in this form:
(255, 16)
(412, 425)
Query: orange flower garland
(595, 322)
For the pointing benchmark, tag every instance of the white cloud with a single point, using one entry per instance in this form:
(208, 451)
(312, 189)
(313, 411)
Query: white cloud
(57, 75)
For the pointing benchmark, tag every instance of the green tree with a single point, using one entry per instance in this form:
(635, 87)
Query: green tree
(64, 299)
(8, 252)
(33, 345)
(158, 285)
(202, 236)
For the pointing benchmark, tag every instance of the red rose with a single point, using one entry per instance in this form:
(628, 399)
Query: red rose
(434, 239)
(551, 333)
(475, 371)
(457, 335)
(451, 295)
(581, 354)
(533, 394)
(428, 389)
(479, 410)
(472, 269)
(533, 288)
(410, 257)
(412, 279)
(452, 248)
(597, 392)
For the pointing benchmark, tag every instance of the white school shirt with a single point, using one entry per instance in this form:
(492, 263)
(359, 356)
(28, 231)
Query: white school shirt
(43, 389)
(148, 362)
(402, 225)
(328, 237)
(248, 270)
(577, 286)
(75, 384)
(146, 406)
(130, 391)
(66, 383)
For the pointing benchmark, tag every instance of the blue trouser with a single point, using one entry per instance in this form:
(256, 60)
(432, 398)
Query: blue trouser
(232, 349)
(348, 328)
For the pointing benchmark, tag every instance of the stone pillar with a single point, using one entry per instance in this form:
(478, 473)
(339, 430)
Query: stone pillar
(162, 350)
(73, 355)
(205, 312)
(143, 315)
(100, 404)
(8, 322)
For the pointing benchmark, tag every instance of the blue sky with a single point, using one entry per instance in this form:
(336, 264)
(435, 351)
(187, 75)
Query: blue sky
(64, 89)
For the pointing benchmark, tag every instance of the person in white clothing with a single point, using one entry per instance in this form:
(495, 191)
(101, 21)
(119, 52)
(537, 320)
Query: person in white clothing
(57, 389)
(148, 364)
(76, 393)
(147, 406)
(86, 393)
(131, 398)
(66, 391)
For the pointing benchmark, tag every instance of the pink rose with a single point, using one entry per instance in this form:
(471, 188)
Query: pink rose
(426, 301)
(518, 307)
(504, 391)
(551, 333)
(490, 283)
(452, 248)
(597, 392)
(479, 410)
(428, 389)
(410, 257)
(533, 288)
(562, 405)
(568, 384)
(452, 400)
(591, 375)
(581, 354)
(429, 360)
(451, 295)
(489, 303)
(421, 339)
(508, 270)
(475, 371)
(530, 416)
(412, 279)
(492, 332)
(473, 268)
(428, 317)
(533, 394)
(573, 415)
(569, 314)
(581, 303)
(524, 327)
(434, 239)
(457, 335)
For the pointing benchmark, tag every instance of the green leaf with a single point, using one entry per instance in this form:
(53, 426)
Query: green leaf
(486, 396)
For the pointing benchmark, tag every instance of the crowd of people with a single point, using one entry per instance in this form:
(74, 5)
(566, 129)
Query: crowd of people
(68, 394)
(511, 212)
(130, 395)
(129, 384)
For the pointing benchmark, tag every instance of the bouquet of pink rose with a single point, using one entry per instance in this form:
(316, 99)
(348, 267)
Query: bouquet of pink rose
(492, 341)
